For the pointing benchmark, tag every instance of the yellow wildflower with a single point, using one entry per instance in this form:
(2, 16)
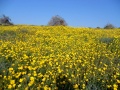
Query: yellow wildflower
(30, 83)
(118, 81)
(12, 81)
(9, 86)
(10, 69)
(21, 80)
(75, 86)
(115, 86)
(32, 78)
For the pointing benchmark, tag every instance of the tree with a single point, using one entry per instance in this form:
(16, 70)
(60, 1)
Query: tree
(56, 21)
(109, 26)
(5, 20)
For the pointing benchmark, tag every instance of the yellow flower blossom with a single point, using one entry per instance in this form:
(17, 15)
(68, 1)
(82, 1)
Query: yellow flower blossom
(9, 86)
(30, 83)
(75, 86)
(20, 68)
(32, 78)
(21, 80)
(12, 81)
(10, 69)
(115, 86)
(118, 81)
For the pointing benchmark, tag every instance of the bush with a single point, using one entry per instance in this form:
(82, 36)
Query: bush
(5, 20)
(56, 21)
(109, 26)
(106, 40)
(98, 27)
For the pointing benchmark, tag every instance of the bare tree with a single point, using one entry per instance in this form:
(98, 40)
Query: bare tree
(56, 21)
(5, 20)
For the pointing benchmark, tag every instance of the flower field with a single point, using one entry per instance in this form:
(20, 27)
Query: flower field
(59, 58)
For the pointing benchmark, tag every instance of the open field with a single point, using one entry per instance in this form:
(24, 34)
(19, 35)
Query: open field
(59, 58)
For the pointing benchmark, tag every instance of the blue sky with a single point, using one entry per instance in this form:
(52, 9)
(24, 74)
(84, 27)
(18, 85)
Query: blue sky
(78, 13)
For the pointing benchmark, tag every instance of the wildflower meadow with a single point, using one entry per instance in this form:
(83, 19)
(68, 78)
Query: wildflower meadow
(59, 58)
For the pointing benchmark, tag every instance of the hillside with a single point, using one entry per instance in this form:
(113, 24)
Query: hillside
(58, 58)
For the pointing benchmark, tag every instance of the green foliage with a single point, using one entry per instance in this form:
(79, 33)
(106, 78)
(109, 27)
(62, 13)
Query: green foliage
(7, 34)
(106, 40)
